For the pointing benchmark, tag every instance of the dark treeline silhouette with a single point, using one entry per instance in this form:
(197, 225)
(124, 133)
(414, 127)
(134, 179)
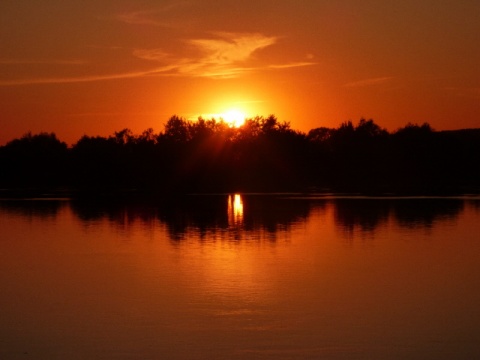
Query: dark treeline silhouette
(262, 155)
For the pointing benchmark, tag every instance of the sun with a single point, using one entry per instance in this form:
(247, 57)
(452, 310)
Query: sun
(235, 118)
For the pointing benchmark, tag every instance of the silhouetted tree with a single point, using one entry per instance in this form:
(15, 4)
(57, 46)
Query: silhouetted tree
(367, 129)
(38, 159)
(177, 130)
(262, 155)
(320, 135)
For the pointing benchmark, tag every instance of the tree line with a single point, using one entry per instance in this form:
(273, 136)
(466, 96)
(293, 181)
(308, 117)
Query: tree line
(263, 155)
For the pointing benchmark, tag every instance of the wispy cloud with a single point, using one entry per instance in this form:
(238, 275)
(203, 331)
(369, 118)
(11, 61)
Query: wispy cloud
(369, 82)
(225, 55)
(42, 62)
(154, 17)
(89, 78)
(220, 56)
(292, 65)
(151, 54)
(230, 47)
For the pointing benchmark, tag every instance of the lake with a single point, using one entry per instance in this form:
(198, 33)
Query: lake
(240, 277)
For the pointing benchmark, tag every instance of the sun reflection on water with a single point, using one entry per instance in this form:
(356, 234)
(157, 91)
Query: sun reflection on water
(235, 209)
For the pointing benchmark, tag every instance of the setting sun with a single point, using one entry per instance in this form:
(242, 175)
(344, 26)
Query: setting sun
(235, 118)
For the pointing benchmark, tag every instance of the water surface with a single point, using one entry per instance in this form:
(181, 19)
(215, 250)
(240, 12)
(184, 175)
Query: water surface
(240, 277)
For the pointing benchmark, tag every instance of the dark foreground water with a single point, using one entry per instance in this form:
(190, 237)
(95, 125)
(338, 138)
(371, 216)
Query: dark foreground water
(240, 277)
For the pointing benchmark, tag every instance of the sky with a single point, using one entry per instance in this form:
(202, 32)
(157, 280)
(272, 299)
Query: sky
(89, 67)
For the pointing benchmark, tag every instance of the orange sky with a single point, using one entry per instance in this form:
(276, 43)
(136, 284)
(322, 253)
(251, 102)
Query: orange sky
(94, 67)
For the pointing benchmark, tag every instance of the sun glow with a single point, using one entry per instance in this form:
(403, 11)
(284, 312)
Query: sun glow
(235, 118)
(232, 110)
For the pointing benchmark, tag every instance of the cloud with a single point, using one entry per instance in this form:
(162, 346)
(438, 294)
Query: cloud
(231, 48)
(369, 82)
(292, 65)
(150, 54)
(42, 62)
(89, 78)
(150, 17)
(223, 56)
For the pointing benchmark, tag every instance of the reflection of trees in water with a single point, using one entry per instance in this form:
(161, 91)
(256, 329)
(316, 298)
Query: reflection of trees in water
(198, 214)
(177, 213)
(475, 203)
(368, 214)
(263, 216)
(365, 214)
(274, 213)
(121, 214)
(204, 216)
(426, 212)
(33, 208)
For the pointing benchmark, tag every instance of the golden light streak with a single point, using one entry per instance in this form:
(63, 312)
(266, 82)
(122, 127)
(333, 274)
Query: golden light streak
(235, 210)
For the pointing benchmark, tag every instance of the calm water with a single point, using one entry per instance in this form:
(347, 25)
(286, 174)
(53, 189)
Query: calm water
(240, 277)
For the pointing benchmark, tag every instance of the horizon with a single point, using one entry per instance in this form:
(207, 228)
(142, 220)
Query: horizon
(231, 123)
